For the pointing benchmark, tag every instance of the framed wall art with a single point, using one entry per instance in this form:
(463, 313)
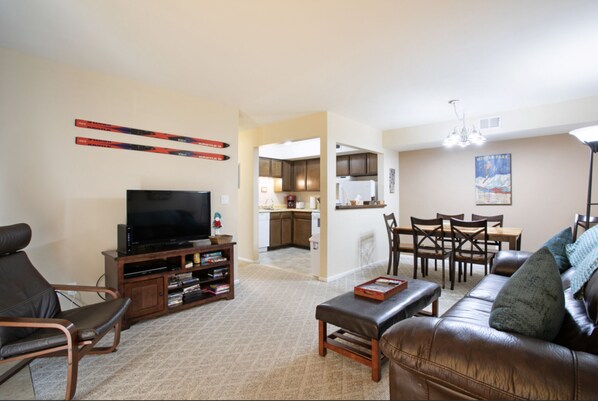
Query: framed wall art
(493, 179)
(391, 180)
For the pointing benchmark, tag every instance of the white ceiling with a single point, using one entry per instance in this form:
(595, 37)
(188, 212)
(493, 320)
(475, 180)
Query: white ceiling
(386, 63)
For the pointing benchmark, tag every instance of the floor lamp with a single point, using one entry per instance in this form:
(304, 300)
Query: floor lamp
(589, 136)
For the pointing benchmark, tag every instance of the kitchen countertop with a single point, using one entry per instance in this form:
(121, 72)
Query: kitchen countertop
(278, 210)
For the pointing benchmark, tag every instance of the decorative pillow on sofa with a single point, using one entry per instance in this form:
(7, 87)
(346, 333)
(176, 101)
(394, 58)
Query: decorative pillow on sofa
(532, 301)
(556, 245)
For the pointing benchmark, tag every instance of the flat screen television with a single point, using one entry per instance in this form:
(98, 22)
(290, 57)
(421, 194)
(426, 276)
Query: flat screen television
(159, 218)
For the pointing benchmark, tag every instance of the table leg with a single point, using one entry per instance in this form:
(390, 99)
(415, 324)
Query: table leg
(322, 337)
(375, 360)
(435, 308)
(395, 253)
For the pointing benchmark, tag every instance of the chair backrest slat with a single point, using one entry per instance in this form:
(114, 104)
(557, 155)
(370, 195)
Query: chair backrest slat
(580, 222)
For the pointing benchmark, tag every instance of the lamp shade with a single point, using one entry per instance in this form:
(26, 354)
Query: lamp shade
(586, 134)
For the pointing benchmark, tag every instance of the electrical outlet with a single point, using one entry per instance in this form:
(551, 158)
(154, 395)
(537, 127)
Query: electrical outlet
(72, 293)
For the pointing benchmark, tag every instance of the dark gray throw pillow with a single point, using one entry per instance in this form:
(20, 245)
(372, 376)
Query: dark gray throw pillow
(532, 301)
(557, 245)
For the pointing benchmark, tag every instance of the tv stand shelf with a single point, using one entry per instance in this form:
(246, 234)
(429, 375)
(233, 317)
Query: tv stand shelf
(170, 280)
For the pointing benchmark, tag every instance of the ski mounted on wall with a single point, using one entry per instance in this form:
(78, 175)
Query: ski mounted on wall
(149, 134)
(152, 149)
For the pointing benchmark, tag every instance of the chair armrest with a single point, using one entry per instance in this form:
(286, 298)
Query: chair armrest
(86, 288)
(508, 261)
(484, 363)
(64, 325)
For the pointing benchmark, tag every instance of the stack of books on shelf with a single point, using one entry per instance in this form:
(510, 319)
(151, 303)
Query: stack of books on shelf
(212, 257)
(217, 289)
(192, 293)
(175, 299)
(181, 279)
(218, 272)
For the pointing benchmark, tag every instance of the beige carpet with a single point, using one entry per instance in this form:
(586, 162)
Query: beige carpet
(261, 345)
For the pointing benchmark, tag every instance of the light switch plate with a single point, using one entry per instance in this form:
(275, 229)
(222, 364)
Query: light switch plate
(224, 199)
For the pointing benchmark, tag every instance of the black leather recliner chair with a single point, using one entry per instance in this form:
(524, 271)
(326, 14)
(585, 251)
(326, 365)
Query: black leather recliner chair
(32, 324)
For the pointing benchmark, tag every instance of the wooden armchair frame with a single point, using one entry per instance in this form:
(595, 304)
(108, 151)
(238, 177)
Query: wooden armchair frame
(73, 349)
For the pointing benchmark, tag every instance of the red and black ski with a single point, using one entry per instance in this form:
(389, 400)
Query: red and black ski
(153, 149)
(149, 134)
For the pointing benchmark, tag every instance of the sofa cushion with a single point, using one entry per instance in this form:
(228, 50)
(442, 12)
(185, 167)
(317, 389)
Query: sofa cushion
(557, 244)
(531, 302)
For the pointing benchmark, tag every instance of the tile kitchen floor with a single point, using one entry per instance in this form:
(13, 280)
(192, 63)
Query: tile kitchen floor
(297, 260)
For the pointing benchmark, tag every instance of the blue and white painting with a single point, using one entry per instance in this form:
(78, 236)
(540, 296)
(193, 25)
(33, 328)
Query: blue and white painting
(493, 179)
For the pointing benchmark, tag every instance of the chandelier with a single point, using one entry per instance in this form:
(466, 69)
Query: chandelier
(462, 136)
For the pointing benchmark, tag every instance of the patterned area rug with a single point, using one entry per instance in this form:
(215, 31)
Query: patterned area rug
(261, 345)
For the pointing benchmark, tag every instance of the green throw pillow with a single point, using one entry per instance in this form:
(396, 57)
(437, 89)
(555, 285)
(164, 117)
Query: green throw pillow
(556, 245)
(532, 301)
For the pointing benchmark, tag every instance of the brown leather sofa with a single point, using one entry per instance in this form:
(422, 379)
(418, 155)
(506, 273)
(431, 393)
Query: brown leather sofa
(459, 356)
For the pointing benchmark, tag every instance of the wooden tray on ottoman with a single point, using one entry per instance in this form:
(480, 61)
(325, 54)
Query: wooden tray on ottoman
(380, 292)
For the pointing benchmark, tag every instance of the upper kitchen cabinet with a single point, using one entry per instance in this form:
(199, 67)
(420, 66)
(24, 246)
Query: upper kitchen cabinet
(306, 175)
(287, 175)
(299, 175)
(270, 167)
(356, 165)
(372, 163)
(312, 182)
(342, 166)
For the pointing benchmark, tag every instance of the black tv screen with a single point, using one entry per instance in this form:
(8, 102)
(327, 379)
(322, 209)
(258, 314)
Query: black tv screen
(158, 217)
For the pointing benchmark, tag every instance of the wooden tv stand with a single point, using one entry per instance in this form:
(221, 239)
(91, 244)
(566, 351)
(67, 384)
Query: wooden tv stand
(149, 279)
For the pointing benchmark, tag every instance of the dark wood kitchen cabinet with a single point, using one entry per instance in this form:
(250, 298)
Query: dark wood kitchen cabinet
(301, 229)
(312, 180)
(360, 164)
(281, 224)
(372, 164)
(287, 175)
(270, 167)
(299, 175)
(342, 166)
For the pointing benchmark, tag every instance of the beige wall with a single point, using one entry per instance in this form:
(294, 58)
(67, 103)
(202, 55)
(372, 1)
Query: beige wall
(549, 184)
(74, 196)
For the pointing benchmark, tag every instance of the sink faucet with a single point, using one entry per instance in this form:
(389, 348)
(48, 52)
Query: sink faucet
(269, 204)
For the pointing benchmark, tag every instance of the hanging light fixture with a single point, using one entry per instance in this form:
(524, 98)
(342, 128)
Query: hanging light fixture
(463, 136)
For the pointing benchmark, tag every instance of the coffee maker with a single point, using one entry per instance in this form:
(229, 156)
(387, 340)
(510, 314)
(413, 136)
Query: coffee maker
(291, 201)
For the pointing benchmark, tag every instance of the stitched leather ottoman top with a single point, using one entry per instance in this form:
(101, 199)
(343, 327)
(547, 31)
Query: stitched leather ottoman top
(372, 318)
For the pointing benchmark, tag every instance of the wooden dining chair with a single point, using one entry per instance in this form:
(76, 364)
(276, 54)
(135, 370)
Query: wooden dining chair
(493, 221)
(429, 243)
(447, 217)
(394, 249)
(580, 222)
(470, 245)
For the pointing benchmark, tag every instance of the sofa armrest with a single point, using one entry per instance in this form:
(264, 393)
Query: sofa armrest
(507, 262)
(443, 356)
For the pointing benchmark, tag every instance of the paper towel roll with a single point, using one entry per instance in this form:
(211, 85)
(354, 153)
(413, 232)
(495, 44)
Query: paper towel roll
(312, 202)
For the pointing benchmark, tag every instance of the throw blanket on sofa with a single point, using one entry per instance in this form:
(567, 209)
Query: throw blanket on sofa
(583, 255)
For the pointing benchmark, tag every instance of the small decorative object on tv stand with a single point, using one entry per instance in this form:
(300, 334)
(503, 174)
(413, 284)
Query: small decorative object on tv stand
(221, 239)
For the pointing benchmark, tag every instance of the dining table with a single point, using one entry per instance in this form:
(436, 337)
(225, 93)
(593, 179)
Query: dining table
(510, 235)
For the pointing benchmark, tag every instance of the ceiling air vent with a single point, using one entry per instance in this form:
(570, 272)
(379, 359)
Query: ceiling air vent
(490, 122)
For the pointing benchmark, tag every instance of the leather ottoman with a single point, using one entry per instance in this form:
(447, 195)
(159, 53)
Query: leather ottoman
(362, 321)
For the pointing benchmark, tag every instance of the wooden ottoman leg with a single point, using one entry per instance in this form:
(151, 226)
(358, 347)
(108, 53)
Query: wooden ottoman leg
(435, 308)
(375, 360)
(322, 337)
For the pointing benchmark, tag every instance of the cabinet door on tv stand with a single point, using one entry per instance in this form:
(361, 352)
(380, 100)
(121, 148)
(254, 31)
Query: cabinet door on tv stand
(147, 297)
